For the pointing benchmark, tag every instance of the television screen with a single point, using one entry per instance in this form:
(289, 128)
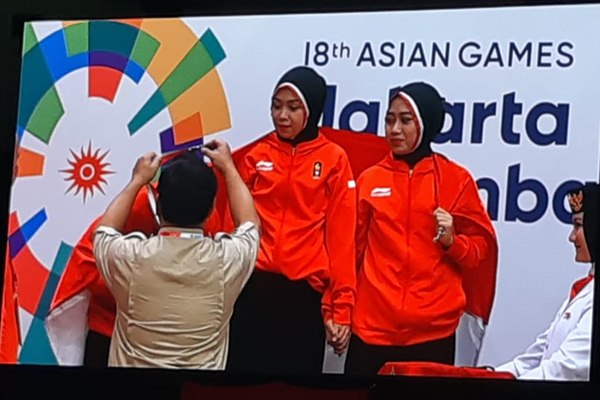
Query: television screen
(519, 90)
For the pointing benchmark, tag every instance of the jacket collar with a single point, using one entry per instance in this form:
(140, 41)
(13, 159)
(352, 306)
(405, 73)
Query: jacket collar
(424, 165)
(302, 147)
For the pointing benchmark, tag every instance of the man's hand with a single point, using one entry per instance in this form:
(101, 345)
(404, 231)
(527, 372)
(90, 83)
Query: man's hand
(444, 227)
(338, 336)
(118, 210)
(145, 168)
(220, 155)
(241, 203)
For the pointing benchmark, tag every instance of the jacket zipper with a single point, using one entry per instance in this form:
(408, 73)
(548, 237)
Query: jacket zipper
(406, 269)
(283, 213)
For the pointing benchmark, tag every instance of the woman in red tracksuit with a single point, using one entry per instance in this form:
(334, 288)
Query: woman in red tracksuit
(302, 289)
(421, 226)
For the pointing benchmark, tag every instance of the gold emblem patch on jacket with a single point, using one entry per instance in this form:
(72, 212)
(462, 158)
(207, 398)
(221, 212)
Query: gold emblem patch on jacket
(317, 170)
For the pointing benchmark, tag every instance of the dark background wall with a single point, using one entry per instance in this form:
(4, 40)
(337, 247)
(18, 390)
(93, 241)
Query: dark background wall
(48, 382)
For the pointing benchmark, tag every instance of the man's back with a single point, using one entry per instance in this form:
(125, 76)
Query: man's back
(175, 294)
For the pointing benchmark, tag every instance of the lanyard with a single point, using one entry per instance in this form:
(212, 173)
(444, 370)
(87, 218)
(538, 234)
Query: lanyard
(152, 202)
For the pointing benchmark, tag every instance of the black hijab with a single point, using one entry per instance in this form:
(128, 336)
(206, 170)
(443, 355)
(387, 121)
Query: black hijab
(586, 199)
(312, 89)
(427, 107)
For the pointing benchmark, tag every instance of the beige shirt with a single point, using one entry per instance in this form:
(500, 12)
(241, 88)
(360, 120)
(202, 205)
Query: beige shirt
(175, 293)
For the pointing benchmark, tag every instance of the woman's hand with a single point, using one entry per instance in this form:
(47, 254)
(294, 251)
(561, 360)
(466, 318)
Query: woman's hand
(444, 227)
(338, 336)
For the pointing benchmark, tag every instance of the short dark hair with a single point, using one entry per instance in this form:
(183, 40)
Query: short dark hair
(186, 190)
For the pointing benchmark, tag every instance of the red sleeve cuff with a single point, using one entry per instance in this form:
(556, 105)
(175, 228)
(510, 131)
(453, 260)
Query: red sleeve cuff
(459, 248)
(342, 315)
(326, 312)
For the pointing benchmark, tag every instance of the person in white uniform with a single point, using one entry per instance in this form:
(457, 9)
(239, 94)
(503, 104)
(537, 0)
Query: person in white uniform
(563, 351)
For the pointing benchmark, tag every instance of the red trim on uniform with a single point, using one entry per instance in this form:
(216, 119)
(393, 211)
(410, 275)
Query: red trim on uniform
(579, 285)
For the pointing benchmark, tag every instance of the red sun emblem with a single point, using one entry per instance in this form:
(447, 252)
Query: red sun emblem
(87, 171)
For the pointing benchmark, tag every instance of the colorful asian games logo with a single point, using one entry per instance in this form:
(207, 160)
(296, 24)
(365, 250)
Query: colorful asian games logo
(95, 95)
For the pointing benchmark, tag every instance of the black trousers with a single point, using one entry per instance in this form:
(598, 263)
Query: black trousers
(365, 359)
(276, 328)
(97, 347)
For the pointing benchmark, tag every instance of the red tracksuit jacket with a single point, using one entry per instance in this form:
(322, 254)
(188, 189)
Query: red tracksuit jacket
(306, 199)
(409, 289)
